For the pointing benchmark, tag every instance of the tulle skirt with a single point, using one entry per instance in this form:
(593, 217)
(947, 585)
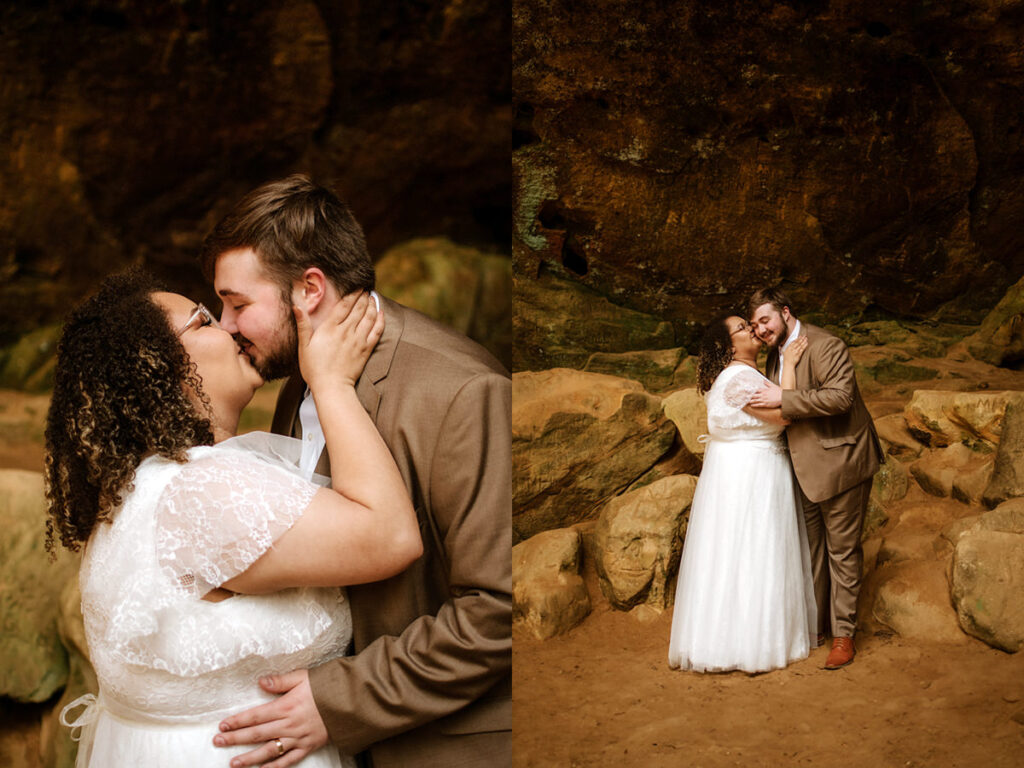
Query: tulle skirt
(745, 596)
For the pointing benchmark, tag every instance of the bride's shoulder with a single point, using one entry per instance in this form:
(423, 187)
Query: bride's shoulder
(739, 372)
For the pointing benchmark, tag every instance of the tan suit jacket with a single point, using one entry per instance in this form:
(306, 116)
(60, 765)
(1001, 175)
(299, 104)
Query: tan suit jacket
(432, 646)
(832, 439)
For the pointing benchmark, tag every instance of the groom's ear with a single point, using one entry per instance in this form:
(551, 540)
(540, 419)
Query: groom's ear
(310, 289)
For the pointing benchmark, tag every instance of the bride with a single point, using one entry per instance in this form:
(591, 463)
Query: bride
(745, 598)
(208, 559)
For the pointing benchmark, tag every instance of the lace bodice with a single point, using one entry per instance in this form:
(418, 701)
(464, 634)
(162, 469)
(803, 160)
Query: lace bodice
(183, 530)
(725, 401)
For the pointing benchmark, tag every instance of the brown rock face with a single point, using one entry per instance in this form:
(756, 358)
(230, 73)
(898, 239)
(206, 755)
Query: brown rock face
(577, 440)
(938, 418)
(34, 661)
(676, 156)
(130, 127)
(988, 576)
(456, 285)
(639, 539)
(549, 595)
(1007, 481)
(914, 602)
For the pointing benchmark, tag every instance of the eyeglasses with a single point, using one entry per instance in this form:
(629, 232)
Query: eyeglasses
(740, 329)
(204, 315)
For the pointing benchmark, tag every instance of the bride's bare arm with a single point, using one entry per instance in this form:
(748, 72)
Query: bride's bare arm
(364, 528)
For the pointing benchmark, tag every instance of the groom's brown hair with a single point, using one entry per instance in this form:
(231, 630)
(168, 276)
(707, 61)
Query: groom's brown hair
(774, 296)
(293, 224)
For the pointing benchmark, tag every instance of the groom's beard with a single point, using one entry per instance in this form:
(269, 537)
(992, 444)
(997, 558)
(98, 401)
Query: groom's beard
(283, 359)
(775, 343)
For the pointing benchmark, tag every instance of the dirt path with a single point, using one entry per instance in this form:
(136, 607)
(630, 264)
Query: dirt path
(603, 695)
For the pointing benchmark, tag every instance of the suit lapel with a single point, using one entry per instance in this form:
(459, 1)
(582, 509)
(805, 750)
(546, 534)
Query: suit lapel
(369, 387)
(771, 366)
(286, 412)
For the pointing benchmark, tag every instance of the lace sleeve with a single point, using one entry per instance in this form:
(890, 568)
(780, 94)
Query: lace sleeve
(221, 513)
(741, 387)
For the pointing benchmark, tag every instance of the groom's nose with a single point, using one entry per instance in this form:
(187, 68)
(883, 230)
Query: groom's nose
(227, 321)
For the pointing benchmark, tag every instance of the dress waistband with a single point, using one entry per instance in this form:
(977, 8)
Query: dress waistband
(95, 705)
(767, 441)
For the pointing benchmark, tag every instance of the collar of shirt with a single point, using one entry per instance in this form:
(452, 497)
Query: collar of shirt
(789, 340)
(313, 441)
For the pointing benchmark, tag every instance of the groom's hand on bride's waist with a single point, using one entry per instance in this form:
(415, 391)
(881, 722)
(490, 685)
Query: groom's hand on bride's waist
(284, 730)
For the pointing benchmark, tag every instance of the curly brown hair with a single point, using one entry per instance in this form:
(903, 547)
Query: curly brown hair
(714, 354)
(119, 395)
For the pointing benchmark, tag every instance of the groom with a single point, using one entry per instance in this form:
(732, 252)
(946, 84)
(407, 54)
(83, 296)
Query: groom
(429, 681)
(835, 452)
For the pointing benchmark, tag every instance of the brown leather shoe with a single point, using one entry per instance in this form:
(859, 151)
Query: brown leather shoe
(842, 653)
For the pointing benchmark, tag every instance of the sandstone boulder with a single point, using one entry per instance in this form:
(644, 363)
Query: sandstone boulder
(913, 600)
(456, 285)
(893, 370)
(890, 484)
(939, 418)
(909, 544)
(954, 471)
(1008, 474)
(988, 581)
(677, 461)
(639, 539)
(895, 435)
(657, 369)
(561, 323)
(33, 661)
(1000, 339)
(548, 593)
(687, 411)
(59, 749)
(577, 440)
(29, 363)
(1008, 517)
(875, 517)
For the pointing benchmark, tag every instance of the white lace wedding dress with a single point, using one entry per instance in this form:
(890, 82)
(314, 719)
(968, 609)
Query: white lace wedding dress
(171, 665)
(745, 597)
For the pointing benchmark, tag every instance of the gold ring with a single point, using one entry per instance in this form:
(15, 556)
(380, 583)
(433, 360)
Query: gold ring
(280, 747)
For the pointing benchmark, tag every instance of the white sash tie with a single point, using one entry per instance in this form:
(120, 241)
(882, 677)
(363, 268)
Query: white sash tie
(87, 718)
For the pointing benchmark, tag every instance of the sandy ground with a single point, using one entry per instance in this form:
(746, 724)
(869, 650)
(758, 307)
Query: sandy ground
(603, 695)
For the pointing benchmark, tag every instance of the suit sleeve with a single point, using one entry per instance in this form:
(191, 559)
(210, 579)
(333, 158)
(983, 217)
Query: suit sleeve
(441, 663)
(832, 368)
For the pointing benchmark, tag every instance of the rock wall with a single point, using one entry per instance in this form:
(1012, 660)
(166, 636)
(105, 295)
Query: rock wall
(130, 127)
(674, 157)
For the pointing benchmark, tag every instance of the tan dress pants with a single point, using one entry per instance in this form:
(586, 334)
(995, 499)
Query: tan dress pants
(837, 560)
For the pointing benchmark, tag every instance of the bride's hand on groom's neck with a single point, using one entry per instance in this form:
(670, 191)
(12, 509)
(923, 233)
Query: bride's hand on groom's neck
(336, 351)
